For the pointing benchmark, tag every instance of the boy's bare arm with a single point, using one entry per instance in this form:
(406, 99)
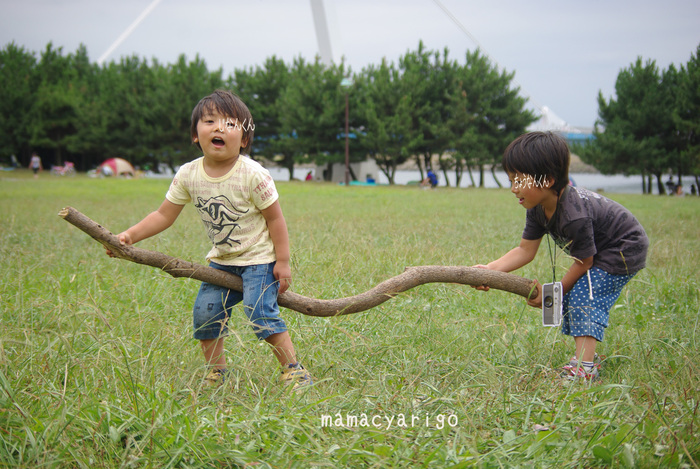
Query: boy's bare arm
(516, 257)
(577, 270)
(513, 259)
(280, 239)
(152, 224)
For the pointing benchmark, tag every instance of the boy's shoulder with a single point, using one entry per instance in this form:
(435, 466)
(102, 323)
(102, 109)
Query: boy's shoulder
(248, 169)
(581, 193)
(190, 165)
(578, 196)
(250, 164)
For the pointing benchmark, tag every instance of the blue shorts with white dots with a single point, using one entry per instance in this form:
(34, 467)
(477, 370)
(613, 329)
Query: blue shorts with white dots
(587, 306)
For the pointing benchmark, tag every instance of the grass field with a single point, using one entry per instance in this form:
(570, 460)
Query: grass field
(98, 368)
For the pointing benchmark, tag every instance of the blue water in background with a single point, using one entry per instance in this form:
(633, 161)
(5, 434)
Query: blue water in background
(595, 182)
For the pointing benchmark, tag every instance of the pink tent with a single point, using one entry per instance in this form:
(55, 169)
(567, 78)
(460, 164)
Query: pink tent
(116, 167)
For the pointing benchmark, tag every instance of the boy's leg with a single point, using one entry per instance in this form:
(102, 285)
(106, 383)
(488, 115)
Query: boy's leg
(282, 348)
(587, 308)
(585, 348)
(213, 350)
(210, 317)
(215, 359)
(260, 304)
(586, 313)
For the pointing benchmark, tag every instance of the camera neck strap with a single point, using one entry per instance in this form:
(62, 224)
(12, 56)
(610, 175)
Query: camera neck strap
(552, 256)
(553, 249)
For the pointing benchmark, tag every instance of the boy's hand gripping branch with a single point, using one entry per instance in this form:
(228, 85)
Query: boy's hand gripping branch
(410, 278)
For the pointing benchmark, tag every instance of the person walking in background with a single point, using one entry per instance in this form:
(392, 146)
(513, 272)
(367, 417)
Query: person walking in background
(670, 185)
(35, 165)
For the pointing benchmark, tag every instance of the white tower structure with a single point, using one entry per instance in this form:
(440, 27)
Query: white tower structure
(326, 30)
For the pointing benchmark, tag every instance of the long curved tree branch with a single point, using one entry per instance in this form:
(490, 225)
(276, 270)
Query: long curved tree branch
(410, 278)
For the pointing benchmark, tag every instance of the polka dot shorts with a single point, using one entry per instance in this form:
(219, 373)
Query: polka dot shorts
(586, 312)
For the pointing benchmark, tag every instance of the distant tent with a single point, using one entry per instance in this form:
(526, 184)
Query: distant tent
(116, 167)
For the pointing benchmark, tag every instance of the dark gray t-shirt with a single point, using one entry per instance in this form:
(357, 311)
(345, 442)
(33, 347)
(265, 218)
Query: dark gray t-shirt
(587, 224)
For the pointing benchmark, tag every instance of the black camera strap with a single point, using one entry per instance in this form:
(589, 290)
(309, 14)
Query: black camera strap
(552, 256)
(553, 249)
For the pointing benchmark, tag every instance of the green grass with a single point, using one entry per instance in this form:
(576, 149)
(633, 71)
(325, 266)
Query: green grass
(98, 367)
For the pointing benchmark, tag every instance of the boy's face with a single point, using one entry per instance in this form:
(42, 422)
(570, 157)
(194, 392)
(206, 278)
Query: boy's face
(530, 190)
(220, 137)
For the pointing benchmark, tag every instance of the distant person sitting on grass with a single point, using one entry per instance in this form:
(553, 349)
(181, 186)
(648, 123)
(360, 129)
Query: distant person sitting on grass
(237, 200)
(430, 181)
(606, 242)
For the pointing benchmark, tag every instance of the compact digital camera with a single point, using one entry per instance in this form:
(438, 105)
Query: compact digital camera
(551, 304)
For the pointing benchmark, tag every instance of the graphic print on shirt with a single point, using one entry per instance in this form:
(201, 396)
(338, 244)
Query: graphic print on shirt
(220, 216)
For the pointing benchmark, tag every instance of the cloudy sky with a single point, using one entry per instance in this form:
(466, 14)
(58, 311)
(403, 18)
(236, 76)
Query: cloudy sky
(562, 52)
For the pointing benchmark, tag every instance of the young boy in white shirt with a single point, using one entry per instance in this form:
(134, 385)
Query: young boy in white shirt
(238, 204)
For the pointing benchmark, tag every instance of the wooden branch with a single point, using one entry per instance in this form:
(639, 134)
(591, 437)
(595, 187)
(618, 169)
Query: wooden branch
(410, 278)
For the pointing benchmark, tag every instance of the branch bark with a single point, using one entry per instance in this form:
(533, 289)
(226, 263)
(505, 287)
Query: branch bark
(410, 278)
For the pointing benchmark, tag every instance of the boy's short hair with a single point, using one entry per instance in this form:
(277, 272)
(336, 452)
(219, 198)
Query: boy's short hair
(229, 105)
(540, 155)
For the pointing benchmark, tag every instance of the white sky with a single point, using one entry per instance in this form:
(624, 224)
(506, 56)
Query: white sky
(562, 52)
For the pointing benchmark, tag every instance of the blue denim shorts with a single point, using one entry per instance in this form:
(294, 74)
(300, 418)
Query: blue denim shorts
(587, 306)
(213, 305)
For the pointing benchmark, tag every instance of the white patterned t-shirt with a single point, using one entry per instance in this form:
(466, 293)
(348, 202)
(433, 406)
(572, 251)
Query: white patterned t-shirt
(230, 208)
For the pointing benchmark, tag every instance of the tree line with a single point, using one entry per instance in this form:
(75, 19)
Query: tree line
(429, 107)
(652, 126)
(69, 109)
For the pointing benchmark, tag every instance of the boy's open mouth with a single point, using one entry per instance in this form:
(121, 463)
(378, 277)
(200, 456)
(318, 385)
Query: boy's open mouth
(217, 142)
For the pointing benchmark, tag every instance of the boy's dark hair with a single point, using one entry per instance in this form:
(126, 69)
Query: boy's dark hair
(229, 105)
(540, 155)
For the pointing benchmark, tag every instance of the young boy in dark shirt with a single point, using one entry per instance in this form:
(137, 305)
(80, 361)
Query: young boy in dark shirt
(606, 242)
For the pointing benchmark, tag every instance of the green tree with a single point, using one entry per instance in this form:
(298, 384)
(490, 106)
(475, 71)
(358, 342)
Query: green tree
(131, 109)
(466, 115)
(462, 128)
(419, 80)
(634, 133)
(178, 88)
(18, 82)
(446, 110)
(54, 113)
(84, 145)
(487, 113)
(145, 109)
(686, 118)
(385, 108)
(126, 108)
(261, 88)
(312, 112)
